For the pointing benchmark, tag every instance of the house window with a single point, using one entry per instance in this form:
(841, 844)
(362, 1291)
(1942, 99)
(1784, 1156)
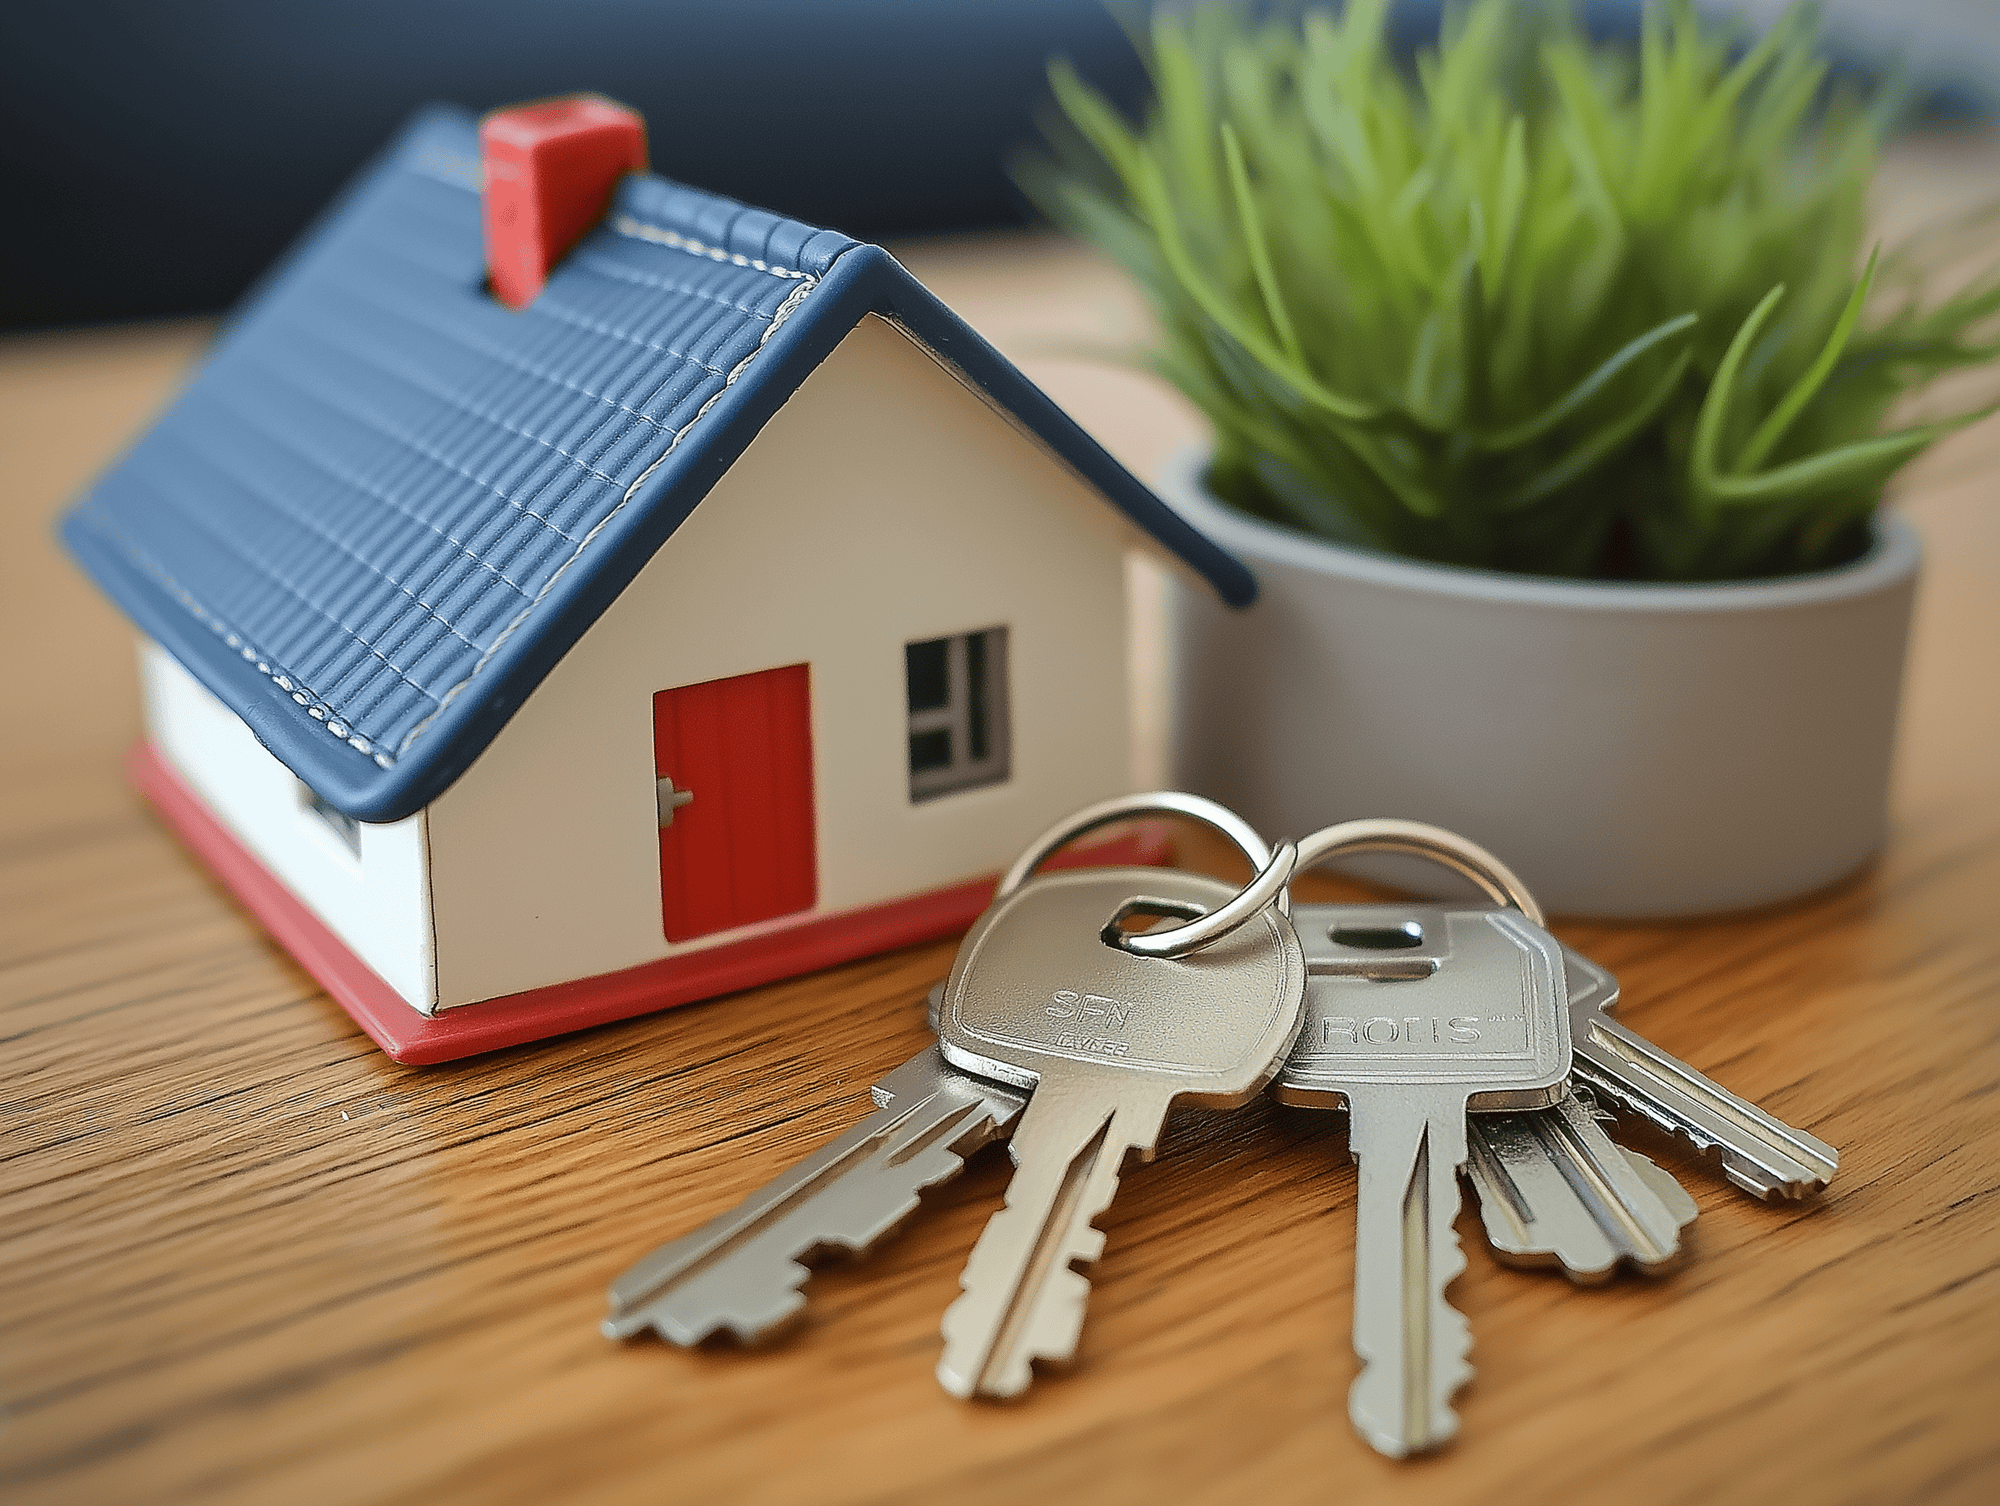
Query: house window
(958, 712)
(339, 823)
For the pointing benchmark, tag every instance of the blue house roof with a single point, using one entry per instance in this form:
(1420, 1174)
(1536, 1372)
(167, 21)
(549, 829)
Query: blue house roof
(386, 506)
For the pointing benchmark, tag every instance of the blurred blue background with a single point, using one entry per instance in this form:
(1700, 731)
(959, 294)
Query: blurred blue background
(154, 157)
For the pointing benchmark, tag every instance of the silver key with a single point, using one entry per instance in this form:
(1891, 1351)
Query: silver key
(1553, 1187)
(1410, 1025)
(743, 1271)
(1106, 1041)
(1761, 1154)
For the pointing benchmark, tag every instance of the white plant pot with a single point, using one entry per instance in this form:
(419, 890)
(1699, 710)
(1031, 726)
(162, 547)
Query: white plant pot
(1631, 750)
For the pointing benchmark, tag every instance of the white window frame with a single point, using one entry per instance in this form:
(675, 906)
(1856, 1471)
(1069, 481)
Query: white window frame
(970, 709)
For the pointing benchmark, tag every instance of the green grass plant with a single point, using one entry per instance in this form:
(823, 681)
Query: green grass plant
(1531, 304)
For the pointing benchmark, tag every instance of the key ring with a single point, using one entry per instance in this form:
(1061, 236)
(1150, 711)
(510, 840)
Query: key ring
(1270, 885)
(1416, 839)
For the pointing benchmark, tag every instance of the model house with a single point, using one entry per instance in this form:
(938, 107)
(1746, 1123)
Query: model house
(727, 609)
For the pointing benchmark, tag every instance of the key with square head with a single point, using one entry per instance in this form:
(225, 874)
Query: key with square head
(1409, 1026)
(743, 1270)
(1047, 993)
(1760, 1153)
(1553, 1187)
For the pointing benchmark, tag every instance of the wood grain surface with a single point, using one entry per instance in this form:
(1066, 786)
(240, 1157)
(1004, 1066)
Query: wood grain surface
(245, 1258)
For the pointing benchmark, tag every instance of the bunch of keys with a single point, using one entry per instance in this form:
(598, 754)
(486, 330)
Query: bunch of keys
(1459, 1039)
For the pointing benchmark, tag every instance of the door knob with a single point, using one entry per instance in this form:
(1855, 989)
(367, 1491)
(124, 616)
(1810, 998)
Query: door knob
(669, 799)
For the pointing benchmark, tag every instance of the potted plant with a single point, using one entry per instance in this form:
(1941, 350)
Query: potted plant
(1551, 392)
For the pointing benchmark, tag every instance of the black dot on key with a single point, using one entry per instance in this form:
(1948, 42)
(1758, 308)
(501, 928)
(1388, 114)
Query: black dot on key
(1397, 938)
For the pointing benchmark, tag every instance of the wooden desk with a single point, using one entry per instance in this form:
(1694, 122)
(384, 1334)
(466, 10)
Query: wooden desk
(244, 1258)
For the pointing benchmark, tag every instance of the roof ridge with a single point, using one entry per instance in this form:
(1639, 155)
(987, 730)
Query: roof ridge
(638, 229)
(723, 229)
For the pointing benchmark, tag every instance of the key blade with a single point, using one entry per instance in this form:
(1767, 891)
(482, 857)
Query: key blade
(743, 1271)
(1023, 1299)
(1760, 1153)
(1554, 1189)
(1413, 1345)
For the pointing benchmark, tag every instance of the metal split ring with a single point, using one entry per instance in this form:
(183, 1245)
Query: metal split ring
(1270, 886)
(1416, 839)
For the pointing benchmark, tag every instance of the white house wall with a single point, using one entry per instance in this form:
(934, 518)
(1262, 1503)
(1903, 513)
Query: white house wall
(883, 505)
(377, 902)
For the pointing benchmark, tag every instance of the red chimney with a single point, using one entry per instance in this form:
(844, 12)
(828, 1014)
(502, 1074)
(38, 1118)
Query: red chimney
(550, 170)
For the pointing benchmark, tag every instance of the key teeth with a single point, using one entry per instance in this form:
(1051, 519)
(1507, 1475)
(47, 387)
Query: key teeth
(1815, 1161)
(746, 1279)
(1451, 1378)
(953, 1383)
(1050, 1334)
(1760, 1183)
(777, 1299)
(1451, 1372)
(1747, 1176)
(750, 1328)
(1740, 1171)
(1678, 1206)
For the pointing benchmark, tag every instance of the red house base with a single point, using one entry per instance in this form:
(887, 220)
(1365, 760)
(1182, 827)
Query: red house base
(408, 1036)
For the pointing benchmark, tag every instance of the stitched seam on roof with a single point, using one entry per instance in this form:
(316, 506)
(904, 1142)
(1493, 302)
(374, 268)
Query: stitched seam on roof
(639, 230)
(778, 317)
(547, 306)
(633, 229)
(604, 266)
(402, 374)
(542, 306)
(262, 574)
(416, 446)
(352, 636)
(783, 313)
(529, 368)
(365, 295)
(731, 335)
(223, 467)
(468, 174)
(326, 468)
(361, 702)
(316, 705)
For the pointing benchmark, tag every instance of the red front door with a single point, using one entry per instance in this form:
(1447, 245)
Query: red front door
(734, 763)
